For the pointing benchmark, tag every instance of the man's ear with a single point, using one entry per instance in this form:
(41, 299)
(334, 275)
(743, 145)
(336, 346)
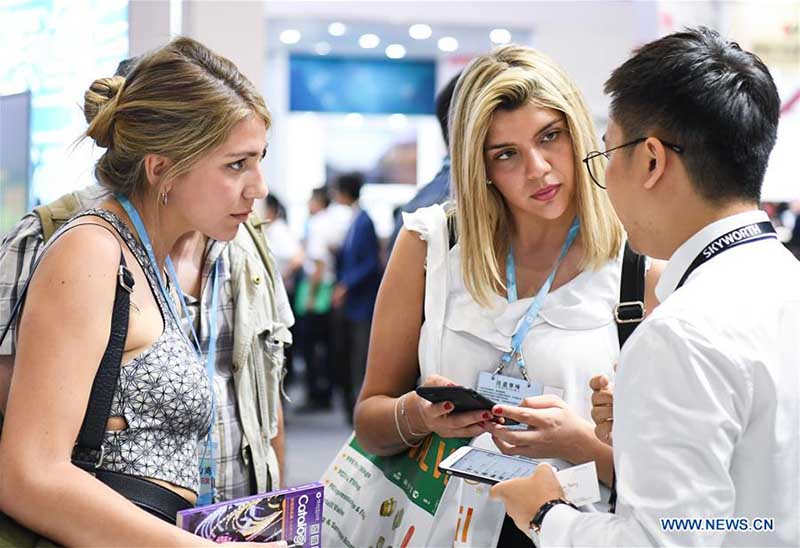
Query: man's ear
(656, 156)
(155, 168)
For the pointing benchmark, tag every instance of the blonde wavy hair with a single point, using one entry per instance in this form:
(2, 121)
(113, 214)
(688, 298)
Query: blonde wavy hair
(179, 101)
(508, 78)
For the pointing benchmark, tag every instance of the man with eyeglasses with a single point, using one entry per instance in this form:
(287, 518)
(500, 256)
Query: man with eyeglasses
(706, 419)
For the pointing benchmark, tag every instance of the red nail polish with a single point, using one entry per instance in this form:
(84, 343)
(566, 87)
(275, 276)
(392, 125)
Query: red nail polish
(486, 416)
(448, 406)
(497, 410)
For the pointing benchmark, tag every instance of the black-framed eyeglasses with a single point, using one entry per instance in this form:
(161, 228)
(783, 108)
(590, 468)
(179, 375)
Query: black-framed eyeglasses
(595, 153)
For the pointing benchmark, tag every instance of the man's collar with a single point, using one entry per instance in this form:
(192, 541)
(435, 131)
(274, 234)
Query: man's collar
(686, 253)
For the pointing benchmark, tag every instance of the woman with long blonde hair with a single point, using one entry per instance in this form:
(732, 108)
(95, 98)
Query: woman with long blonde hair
(527, 291)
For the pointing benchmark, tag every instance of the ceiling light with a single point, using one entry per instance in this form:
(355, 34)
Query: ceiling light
(448, 44)
(322, 48)
(290, 36)
(398, 121)
(369, 41)
(395, 51)
(500, 36)
(337, 29)
(420, 31)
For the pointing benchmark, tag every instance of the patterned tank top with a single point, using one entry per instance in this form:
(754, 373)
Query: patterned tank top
(163, 394)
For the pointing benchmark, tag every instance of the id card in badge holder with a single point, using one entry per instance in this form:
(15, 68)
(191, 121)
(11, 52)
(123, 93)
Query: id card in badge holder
(506, 390)
(208, 473)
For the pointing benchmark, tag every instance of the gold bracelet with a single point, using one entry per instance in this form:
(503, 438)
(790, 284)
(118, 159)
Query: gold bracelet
(397, 425)
(408, 421)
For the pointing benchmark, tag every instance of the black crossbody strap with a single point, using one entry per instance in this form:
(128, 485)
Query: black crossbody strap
(628, 314)
(630, 311)
(88, 449)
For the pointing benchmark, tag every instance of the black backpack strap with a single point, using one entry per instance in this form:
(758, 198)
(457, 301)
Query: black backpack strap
(452, 231)
(630, 311)
(628, 314)
(88, 451)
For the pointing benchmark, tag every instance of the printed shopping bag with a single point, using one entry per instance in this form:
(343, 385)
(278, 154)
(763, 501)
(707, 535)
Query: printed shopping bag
(378, 502)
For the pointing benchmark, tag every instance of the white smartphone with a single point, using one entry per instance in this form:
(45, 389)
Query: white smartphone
(486, 466)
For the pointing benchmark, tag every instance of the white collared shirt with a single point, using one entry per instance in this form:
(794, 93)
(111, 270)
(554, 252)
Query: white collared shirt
(707, 421)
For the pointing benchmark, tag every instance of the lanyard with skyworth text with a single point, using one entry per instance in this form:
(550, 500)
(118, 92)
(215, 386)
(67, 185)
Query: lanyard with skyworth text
(743, 235)
(511, 283)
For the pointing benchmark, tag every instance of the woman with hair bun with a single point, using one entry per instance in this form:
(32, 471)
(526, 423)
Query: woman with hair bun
(184, 135)
(520, 278)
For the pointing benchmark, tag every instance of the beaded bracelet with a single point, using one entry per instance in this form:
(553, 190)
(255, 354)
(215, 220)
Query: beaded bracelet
(397, 425)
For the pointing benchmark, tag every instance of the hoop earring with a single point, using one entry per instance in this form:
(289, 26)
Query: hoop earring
(164, 198)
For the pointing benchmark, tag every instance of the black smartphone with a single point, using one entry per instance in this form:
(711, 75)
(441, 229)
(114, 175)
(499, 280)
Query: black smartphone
(463, 398)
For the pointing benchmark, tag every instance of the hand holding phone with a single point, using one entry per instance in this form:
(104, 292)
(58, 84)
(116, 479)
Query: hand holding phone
(462, 398)
(579, 482)
(486, 466)
(448, 410)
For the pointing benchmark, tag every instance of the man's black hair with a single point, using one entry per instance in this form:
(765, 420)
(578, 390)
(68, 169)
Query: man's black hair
(707, 95)
(321, 195)
(350, 184)
(443, 100)
(276, 205)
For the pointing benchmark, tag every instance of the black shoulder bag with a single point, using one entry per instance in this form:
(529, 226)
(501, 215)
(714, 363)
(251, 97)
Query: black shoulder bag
(88, 452)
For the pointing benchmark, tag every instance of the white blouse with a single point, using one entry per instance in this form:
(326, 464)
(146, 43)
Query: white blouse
(573, 339)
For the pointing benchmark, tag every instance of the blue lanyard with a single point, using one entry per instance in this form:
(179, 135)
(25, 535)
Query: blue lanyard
(136, 219)
(212, 335)
(185, 308)
(511, 282)
(211, 351)
(208, 463)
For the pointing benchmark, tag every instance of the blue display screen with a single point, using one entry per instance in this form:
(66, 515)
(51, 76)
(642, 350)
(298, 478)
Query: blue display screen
(368, 86)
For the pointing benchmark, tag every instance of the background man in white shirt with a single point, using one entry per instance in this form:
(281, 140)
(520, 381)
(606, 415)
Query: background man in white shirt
(706, 419)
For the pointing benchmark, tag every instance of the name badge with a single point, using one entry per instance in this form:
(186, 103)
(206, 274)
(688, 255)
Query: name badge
(506, 390)
(208, 473)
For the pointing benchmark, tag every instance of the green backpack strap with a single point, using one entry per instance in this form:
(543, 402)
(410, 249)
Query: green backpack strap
(57, 213)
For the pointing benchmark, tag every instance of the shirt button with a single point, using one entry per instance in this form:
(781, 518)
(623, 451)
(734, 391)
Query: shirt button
(256, 279)
(235, 366)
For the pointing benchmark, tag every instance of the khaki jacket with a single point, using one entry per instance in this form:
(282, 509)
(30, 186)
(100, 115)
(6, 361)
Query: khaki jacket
(262, 317)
